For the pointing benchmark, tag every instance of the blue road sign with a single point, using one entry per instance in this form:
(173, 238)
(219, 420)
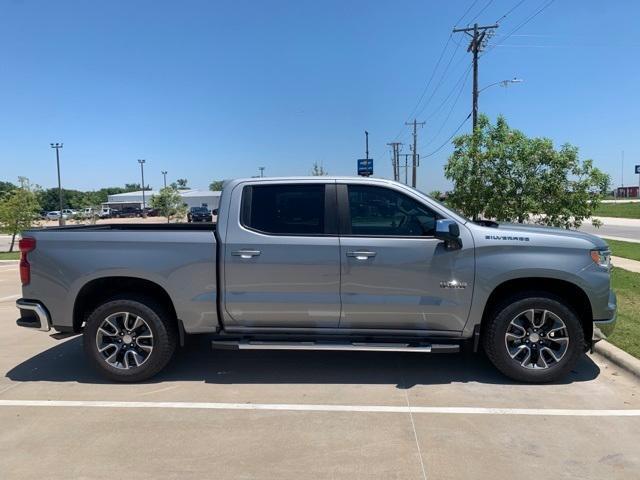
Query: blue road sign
(638, 169)
(365, 167)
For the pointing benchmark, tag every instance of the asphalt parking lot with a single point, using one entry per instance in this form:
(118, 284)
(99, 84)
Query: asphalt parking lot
(296, 415)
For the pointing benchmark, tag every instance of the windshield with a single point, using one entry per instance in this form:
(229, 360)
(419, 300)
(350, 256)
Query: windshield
(199, 210)
(443, 205)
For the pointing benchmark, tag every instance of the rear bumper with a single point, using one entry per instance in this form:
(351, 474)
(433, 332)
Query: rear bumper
(33, 315)
(602, 328)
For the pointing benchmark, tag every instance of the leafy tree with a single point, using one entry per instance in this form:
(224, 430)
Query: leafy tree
(18, 211)
(318, 170)
(182, 183)
(216, 185)
(6, 187)
(437, 194)
(135, 187)
(501, 173)
(169, 203)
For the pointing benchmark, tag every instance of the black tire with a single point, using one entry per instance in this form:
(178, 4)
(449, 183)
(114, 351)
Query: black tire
(495, 338)
(162, 327)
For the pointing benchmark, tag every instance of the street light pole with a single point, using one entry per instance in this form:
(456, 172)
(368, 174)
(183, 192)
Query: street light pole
(502, 83)
(164, 174)
(261, 171)
(141, 162)
(58, 146)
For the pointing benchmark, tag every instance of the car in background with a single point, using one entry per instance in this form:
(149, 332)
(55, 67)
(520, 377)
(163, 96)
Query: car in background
(68, 212)
(199, 214)
(55, 215)
(150, 212)
(106, 212)
(127, 212)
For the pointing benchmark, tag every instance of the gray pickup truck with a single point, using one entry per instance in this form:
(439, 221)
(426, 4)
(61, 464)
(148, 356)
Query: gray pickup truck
(322, 263)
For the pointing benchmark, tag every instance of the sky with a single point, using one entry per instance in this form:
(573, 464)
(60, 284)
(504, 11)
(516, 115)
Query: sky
(215, 89)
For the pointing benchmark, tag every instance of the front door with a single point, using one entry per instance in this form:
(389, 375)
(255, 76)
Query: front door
(282, 265)
(395, 274)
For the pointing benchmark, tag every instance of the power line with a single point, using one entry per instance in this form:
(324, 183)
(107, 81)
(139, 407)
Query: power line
(435, 69)
(523, 23)
(450, 111)
(509, 12)
(455, 132)
(462, 77)
(481, 11)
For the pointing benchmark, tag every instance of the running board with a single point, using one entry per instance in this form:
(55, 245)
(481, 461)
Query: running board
(354, 346)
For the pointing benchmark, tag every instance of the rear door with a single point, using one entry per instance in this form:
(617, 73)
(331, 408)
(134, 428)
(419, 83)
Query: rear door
(281, 256)
(395, 274)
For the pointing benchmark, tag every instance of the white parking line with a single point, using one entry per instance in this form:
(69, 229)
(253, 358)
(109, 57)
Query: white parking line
(555, 412)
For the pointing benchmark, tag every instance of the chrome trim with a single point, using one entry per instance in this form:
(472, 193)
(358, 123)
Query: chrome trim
(41, 313)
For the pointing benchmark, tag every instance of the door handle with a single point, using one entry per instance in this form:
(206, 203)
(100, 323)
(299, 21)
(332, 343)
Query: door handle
(361, 254)
(246, 253)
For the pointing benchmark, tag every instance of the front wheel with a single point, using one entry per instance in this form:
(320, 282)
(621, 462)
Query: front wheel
(534, 338)
(129, 339)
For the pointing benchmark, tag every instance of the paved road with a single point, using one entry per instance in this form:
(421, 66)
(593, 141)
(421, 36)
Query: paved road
(299, 415)
(627, 232)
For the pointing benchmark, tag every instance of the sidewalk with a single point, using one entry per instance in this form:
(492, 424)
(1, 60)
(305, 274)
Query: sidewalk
(626, 264)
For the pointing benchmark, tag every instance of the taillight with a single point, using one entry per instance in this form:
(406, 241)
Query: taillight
(26, 245)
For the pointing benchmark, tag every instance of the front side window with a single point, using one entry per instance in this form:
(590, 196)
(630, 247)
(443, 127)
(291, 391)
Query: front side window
(379, 211)
(284, 209)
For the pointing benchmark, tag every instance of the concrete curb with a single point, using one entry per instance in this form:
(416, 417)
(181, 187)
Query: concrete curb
(618, 357)
(9, 261)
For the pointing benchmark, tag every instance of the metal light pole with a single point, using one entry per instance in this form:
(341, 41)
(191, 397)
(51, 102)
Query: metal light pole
(141, 162)
(164, 174)
(261, 171)
(58, 146)
(502, 83)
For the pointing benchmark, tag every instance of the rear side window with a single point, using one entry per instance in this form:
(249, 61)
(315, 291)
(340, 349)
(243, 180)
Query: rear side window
(284, 209)
(379, 211)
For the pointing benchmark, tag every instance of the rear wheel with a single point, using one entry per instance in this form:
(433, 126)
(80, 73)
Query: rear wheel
(129, 340)
(534, 338)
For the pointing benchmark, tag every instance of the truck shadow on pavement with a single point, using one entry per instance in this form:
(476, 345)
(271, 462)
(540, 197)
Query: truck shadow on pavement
(65, 362)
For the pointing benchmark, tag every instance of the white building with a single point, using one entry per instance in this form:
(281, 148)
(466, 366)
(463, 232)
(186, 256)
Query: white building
(192, 198)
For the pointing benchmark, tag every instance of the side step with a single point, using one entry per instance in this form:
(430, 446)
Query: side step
(353, 346)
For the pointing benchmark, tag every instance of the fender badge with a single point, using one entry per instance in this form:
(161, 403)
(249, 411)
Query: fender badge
(453, 284)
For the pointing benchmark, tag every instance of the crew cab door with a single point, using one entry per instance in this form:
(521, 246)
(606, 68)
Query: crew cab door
(395, 274)
(281, 256)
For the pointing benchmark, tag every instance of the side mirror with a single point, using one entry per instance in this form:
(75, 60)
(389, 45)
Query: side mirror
(448, 231)
(214, 212)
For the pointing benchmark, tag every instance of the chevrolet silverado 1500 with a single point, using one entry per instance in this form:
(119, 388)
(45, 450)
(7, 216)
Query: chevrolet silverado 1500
(326, 264)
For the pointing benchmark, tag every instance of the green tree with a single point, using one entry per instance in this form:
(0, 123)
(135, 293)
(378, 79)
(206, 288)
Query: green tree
(6, 187)
(169, 203)
(501, 173)
(182, 183)
(216, 185)
(318, 170)
(18, 211)
(437, 194)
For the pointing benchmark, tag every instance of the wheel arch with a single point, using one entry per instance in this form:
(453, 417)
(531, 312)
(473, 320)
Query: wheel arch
(98, 290)
(575, 297)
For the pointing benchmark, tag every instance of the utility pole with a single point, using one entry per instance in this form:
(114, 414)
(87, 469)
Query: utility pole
(164, 174)
(261, 171)
(141, 162)
(366, 145)
(415, 124)
(478, 35)
(405, 166)
(58, 146)
(395, 160)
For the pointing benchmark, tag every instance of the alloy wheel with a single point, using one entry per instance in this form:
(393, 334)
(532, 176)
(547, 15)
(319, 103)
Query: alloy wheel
(124, 340)
(537, 339)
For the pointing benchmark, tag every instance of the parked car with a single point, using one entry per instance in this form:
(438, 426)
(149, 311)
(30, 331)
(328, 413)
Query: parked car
(150, 212)
(127, 212)
(199, 214)
(67, 212)
(105, 212)
(54, 215)
(321, 263)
